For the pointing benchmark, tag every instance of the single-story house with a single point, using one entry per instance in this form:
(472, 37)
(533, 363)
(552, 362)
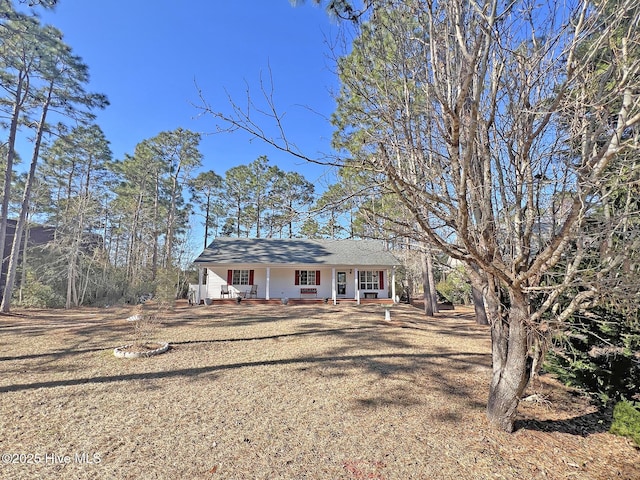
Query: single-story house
(275, 268)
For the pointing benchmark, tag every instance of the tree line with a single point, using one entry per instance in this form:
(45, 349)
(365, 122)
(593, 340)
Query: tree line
(119, 224)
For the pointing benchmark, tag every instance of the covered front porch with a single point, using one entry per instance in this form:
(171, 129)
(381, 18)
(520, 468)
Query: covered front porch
(293, 301)
(296, 284)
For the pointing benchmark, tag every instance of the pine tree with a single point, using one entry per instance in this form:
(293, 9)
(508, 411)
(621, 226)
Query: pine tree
(206, 190)
(56, 85)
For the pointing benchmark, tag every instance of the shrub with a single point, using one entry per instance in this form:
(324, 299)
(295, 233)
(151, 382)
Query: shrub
(598, 354)
(626, 421)
(455, 288)
(38, 295)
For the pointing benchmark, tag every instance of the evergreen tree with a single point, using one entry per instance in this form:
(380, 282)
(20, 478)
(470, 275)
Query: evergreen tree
(206, 190)
(20, 58)
(75, 168)
(176, 152)
(57, 85)
(135, 210)
(236, 181)
(291, 196)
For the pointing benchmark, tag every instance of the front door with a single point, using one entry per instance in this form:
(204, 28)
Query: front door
(341, 283)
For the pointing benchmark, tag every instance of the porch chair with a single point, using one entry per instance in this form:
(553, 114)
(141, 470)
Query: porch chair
(224, 290)
(252, 293)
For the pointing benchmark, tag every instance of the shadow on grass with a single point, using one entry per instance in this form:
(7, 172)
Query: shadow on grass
(333, 331)
(357, 360)
(55, 355)
(582, 425)
(306, 332)
(399, 397)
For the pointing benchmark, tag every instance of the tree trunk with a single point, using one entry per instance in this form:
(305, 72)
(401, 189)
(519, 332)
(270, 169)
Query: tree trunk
(132, 254)
(67, 304)
(478, 305)
(6, 191)
(171, 217)
(156, 232)
(5, 307)
(23, 275)
(510, 361)
(432, 282)
(428, 305)
(290, 219)
(478, 285)
(206, 222)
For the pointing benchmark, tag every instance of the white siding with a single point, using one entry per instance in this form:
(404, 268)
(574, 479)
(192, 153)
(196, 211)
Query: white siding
(282, 282)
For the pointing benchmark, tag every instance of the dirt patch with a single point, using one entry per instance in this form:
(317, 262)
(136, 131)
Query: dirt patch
(266, 391)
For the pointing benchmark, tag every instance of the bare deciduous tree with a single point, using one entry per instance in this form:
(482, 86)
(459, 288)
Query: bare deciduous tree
(498, 126)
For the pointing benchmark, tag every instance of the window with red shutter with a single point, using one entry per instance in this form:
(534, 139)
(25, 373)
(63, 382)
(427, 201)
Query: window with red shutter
(239, 277)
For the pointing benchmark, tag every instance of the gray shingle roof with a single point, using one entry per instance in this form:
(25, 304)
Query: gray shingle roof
(296, 251)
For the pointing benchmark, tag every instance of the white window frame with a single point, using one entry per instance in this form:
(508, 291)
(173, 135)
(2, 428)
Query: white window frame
(307, 277)
(369, 279)
(240, 277)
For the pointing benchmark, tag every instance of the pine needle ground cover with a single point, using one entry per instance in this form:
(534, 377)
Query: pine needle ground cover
(253, 391)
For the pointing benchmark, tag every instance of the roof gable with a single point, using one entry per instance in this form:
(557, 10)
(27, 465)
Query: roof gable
(296, 251)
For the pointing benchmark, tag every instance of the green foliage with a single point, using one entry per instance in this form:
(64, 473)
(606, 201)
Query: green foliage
(206, 191)
(38, 295)
(626, 421)
(599, 353)
(263, 200)
(455, 287)
(167, 285)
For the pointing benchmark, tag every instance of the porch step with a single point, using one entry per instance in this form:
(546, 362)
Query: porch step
(296, 301)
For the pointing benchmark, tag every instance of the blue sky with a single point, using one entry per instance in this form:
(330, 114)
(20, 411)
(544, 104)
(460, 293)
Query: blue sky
(147, 56)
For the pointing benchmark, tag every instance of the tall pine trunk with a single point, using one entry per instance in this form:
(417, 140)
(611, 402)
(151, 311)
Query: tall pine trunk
(207, 220)
(156, 232)
(6, 191)
(171, 220)
(5, 307)
(23, 276)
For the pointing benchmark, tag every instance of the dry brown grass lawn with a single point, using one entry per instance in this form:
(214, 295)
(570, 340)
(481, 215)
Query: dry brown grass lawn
(271, 392)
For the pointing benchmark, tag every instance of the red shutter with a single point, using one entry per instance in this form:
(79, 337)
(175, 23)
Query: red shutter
(250, 277)
(317, 277)
(297, 277)
(381, 279)
(229, 277)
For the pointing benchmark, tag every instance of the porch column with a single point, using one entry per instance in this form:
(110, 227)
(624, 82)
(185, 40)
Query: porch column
(334, 295)
(356, 284)
(393, 283)
(268, 282)
(198, 296)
